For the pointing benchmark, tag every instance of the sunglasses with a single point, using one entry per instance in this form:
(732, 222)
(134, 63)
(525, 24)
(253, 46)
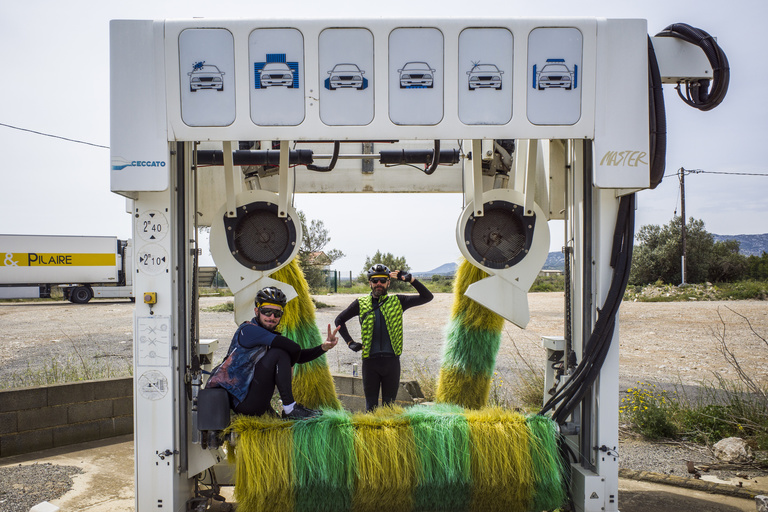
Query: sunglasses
(278, 313)
(379, 280)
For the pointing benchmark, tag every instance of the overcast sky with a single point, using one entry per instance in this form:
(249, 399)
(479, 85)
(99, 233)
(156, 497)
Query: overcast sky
(56, 80)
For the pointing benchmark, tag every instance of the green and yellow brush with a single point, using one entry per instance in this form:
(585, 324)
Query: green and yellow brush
(472, 343)
(312, 381)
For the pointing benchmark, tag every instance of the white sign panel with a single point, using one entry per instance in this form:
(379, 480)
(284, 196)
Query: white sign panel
(152, 259)
(154, 335)
(207, 77)
(554, 76)
(346, 76)
(153, 385)
(277, 76)
(416, 76)
(151, 226)
(485, 76)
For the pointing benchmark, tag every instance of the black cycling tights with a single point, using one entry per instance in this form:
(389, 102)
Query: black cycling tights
(274, 369)
(380, 373)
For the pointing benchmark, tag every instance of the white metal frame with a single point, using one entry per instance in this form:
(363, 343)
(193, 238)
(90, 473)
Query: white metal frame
(152, 155)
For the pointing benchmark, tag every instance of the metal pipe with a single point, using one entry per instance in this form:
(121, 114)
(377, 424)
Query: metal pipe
(418, 156)
(306, 157)
(254, 157)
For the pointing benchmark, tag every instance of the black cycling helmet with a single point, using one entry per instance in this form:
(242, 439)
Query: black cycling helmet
(378, 270)
(271, 295)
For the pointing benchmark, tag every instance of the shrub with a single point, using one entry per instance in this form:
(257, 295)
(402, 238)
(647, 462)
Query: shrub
(708, 424)
(649, 411)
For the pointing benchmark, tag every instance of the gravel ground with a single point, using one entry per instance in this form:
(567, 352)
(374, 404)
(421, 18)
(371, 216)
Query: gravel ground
(664, 343)
(24, 486)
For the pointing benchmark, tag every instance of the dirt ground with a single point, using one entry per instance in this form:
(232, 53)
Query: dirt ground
(665, 342)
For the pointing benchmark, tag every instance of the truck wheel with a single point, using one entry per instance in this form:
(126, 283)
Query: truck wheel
(81, 294)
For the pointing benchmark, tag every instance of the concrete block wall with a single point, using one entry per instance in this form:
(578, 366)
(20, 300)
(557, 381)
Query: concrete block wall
(39, 418)
(34, 419)
(350, 392)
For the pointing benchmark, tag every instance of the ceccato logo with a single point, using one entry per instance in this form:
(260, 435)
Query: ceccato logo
(119, 163)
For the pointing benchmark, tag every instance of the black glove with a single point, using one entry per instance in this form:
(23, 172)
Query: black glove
(355, 346)
(405, 276)
(288, 345)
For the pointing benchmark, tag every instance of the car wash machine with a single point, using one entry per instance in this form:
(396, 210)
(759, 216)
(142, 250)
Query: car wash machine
(218, 123)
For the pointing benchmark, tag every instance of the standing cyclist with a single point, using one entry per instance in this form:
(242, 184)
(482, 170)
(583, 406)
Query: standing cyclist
(381, 330)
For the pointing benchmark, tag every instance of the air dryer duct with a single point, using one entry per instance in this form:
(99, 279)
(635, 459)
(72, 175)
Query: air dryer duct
(507, 244)
(253, 244)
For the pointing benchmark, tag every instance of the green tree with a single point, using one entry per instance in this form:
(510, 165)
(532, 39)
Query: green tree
(727, 265)
(311, 253)
(658, 252)
(757, 267)
(391, 261)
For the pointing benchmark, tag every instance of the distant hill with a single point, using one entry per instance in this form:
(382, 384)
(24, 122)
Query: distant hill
(749, 245)
(446, 269)
(555, 261)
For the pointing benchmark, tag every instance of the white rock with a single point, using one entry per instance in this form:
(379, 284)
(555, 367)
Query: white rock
(732, 449)
(762, 503)
(44, 507)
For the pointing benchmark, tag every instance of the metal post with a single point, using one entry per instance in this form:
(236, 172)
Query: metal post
(682, 213)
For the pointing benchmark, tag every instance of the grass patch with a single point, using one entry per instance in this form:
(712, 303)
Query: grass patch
(426, 378)
(73, 369)
(499, 394)
(226, 307)
(660, 292)
(319, 304)
(215, 292)
(229, 307)
(721, 409)
(549, 283)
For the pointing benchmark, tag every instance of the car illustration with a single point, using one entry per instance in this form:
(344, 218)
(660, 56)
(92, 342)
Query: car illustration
(346, 75)
(416, 74)
(484, 76)
(555, 75)
(205, 76)
(276, 74)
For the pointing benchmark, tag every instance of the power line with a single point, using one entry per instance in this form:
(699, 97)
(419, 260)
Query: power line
(701, 171)
(733, 173)
(54, 136)
(694, 171)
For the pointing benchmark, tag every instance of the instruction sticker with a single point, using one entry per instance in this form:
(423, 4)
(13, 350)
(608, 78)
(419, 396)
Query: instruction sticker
(485, 76)
(277, 76)
(416, 76)
(207, 76)
(154, 335)
(554, 76)
(153, 385)
(346, 76)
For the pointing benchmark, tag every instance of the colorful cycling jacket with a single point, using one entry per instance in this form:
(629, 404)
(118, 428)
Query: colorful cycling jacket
(249, 344)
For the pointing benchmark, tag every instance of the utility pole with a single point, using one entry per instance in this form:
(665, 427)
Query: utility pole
(682, 212)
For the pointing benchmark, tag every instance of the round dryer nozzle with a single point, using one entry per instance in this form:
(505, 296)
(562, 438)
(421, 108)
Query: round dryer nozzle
(258, 238)
(500, 238)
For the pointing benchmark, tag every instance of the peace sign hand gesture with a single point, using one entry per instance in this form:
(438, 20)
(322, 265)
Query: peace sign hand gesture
(332, 339)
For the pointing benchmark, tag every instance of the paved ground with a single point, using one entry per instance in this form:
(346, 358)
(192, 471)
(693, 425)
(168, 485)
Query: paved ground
(106, 484)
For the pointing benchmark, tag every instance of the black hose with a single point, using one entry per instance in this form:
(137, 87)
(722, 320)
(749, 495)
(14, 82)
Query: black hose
(253, 157)
(336, 146)
(697, 94)
(435, 158)
(657, 119)
(598, 345)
